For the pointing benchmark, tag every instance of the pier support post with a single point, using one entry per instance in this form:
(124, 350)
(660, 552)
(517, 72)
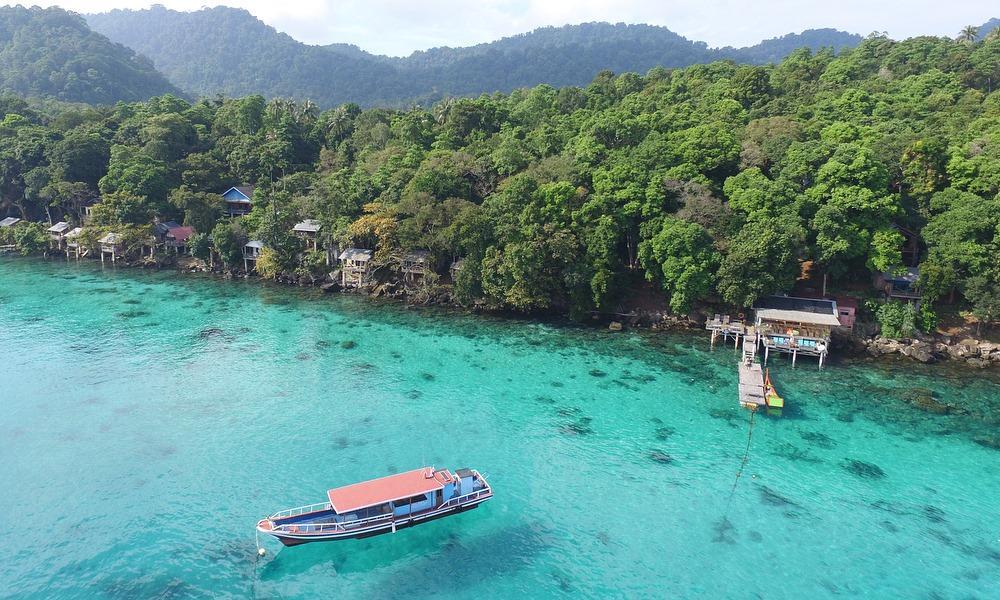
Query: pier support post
(821, 359)
(794, 354)
(767, 350)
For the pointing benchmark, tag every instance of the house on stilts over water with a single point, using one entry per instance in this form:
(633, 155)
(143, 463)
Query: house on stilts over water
(796, 326)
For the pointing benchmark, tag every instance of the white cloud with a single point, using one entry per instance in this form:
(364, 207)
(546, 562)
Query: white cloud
(400, 26)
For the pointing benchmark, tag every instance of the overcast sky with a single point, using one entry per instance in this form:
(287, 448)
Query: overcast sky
(398, 27)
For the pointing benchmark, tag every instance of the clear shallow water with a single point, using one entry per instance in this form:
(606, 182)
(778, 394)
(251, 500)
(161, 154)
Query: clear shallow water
(148, 420)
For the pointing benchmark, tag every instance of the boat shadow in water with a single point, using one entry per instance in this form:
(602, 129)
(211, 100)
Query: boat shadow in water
(416, 557)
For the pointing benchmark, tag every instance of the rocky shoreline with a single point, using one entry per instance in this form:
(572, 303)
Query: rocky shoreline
(926, 349)
(976, 353)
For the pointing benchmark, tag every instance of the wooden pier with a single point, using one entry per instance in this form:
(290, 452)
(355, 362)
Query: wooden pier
(751, 386)
(722, 326)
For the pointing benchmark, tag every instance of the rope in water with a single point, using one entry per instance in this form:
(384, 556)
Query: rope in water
(743, 463)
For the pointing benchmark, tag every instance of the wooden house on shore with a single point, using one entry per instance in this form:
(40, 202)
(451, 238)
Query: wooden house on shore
(354, 266)
(455, 267)
(796, 325)
(176, 238)
(899, 284)
(9, 222)
(251, 252)
(308, 230)
(112, 244)
(415, 265)
(57, 234)
(239, 200)
(74, 245)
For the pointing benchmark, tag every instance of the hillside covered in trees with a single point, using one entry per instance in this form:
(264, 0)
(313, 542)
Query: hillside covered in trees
(715, 180)
(229, 51)
(51, 53)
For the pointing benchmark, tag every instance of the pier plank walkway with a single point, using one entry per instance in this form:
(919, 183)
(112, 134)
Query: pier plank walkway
(751, 386)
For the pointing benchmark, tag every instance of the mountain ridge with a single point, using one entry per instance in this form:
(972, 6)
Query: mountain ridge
(273, 63)
(53, 53)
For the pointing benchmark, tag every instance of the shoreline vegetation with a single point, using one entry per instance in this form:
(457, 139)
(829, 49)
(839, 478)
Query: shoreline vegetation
(931, 348)
(869, 175)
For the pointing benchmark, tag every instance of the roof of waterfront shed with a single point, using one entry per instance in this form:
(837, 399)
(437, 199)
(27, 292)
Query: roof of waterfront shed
(111, 238)
(59, 227)
(814, 311)
(355, 254)
(75, 232)
(387, 489)
(307, 226)
(180, 234)
(9, 222)
(165, 226)
(255, 244)
(417, 256)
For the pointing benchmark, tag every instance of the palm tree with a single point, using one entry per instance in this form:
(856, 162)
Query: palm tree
(968, 34)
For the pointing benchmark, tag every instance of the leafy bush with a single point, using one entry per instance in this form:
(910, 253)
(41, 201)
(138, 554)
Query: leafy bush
(268, 264)
(31, 238)
(896, 319)
(926, 318)
(199, 245)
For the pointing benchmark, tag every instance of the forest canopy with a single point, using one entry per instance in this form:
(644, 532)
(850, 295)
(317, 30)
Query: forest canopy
(52, 53)
(714, 180)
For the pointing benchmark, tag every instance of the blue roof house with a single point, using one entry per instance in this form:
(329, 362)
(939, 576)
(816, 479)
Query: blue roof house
(238, 200)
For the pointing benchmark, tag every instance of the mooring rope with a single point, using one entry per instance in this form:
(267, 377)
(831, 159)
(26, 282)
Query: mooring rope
(743, 463)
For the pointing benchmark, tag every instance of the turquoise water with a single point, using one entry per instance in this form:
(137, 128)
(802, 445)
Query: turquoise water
(149, 419)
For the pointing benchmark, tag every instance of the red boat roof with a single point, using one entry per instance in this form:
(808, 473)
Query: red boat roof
(386, 489)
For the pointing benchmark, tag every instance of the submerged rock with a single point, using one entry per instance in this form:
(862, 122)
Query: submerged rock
(660, 457)
(863, 469)
(664, 433)
(724, 531)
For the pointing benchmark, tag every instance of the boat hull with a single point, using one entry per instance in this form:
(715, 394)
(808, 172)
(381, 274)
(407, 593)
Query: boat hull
(291, 539)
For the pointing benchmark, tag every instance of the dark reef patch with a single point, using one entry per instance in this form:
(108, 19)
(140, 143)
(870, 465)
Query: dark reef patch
(348, 344)
(660, 457)
(773, 498)
(724, 532)
(818, 439)
(863, 469)
(664, 433)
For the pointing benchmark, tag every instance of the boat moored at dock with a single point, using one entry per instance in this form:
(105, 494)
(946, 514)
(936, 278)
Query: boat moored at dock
(380, 506)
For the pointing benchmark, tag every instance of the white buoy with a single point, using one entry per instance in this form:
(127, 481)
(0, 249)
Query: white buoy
(261, 551)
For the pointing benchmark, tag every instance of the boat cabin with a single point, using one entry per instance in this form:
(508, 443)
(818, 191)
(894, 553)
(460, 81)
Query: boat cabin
(308, 230)
(796, 325)
(251, 252)
(415, 264)
(112, 244)
(354, 265)
(238, 200)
